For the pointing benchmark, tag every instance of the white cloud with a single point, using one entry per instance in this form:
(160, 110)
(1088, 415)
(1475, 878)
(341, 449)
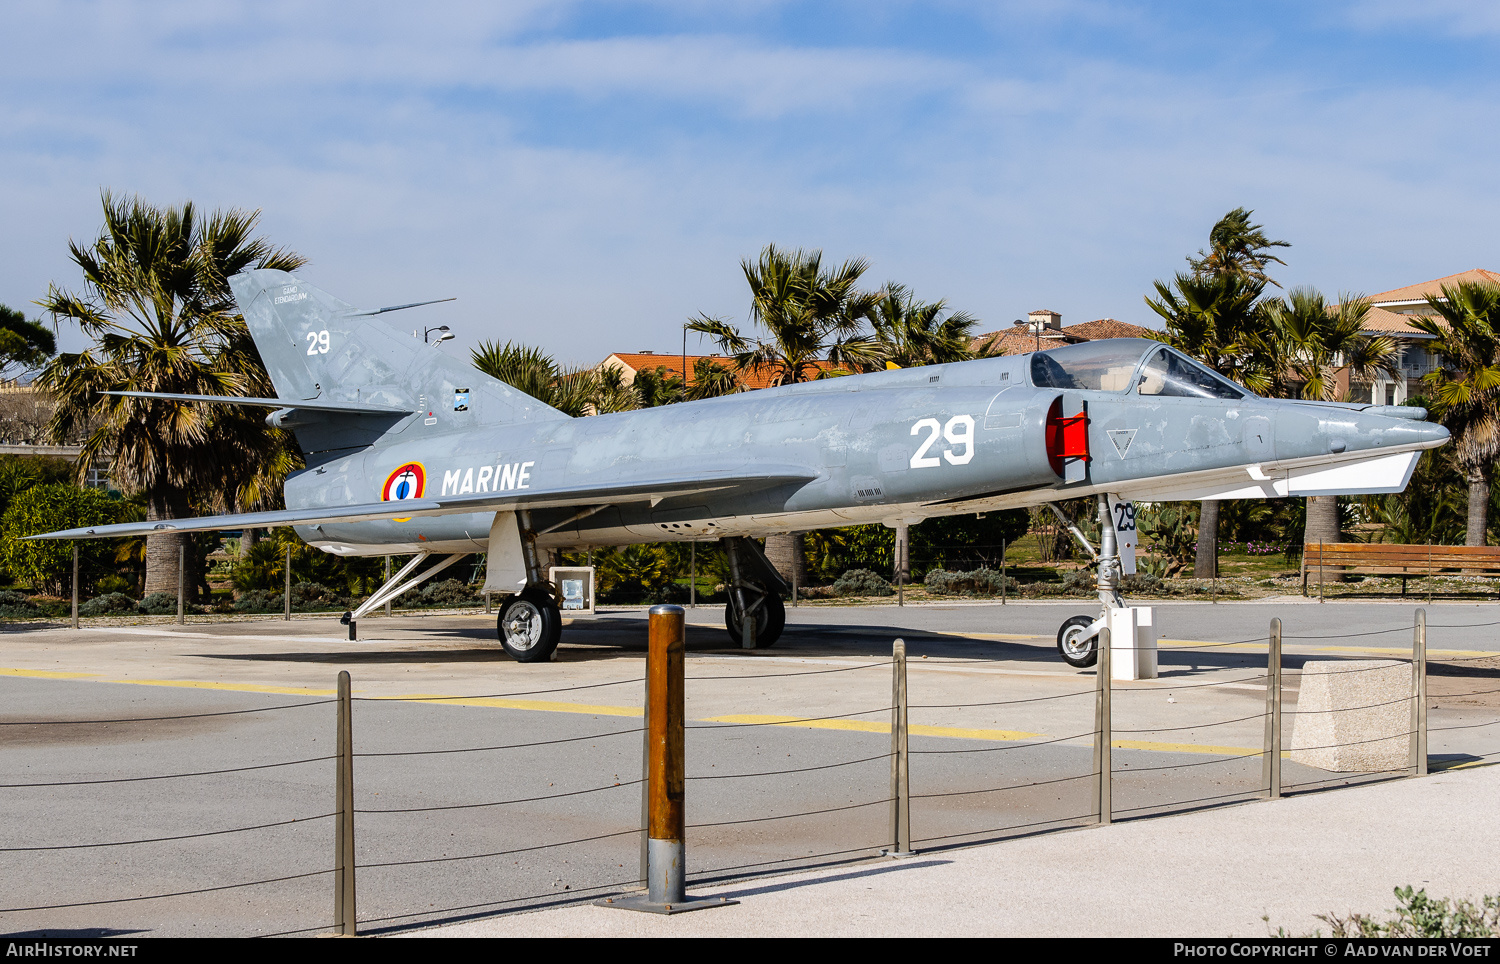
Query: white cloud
(1458, 18)
(589, 194)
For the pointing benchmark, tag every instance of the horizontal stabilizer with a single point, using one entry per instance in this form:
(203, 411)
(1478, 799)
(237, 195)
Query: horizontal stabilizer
(310, 404)
(621, 494)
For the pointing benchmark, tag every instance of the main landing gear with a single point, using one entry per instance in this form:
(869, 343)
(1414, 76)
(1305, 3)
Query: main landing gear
(530, 625)
(755, 615)
(1078, 637)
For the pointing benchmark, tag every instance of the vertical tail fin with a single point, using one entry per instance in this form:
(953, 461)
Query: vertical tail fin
(316, 346)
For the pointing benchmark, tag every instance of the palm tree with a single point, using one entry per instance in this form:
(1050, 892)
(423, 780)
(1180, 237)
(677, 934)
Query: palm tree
(157, 303)
(811, 315)
(1318, 347)
(1237, 247)
(1215, 319)
(712, 379)
(1465, 390)
(913, 333)
(573, 391)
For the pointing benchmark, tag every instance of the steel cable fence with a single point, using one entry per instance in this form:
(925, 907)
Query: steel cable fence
(406, 835)
(185, 846)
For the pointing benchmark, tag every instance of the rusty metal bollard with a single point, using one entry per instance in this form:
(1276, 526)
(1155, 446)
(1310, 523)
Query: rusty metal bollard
(666, 774)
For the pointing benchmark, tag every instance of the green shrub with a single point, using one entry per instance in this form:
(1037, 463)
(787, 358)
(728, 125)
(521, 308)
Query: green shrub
(861, 582)
(1422, 916)
(450, 593)
(311, 596)
(1080, 580)
(259, 601)
(160, 604)
(114, 584)
(15, 605)
(976, 582)
(112, 604)
(1140, 582)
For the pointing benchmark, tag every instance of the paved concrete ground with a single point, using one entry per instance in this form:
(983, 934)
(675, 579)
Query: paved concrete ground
(1000, 749)
(1242, 871)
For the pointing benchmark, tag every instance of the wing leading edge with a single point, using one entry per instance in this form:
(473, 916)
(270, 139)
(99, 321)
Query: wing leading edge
(374, 511)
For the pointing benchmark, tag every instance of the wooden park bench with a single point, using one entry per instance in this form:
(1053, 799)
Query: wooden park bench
(1386, 559)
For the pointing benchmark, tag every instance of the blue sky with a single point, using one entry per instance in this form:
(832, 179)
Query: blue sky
(586, 176)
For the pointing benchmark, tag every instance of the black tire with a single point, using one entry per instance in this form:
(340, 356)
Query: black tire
(770, 620)
(529, 626)
(1073, 652)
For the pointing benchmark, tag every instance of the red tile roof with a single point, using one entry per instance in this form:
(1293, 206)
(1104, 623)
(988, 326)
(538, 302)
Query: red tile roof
(1019, 339)
(1419, 292)
(1390, 323)
(633, 362)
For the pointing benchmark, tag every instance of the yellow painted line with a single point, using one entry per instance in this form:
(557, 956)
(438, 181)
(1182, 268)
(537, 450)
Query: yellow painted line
(544, 706)
(188, 684)
(1455, 653)
(1464, 766)
(549, 706)
(44, 674)
(229, 687)
(1186, 748)
(1406, 650)
(959, 733)
(871, 726)
(1206, 642)
(993, 635)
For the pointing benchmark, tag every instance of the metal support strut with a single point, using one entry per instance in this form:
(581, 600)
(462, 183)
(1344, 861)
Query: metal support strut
(397, 585)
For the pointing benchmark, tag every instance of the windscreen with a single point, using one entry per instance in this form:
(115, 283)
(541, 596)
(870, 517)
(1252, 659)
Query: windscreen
(1170, 374)
(1098, 366)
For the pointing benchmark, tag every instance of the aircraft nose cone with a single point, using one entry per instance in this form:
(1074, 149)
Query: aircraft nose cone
(1399, 431)
(1311, 432)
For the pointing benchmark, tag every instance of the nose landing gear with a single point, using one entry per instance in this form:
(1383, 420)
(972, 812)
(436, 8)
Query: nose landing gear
(1078, 637)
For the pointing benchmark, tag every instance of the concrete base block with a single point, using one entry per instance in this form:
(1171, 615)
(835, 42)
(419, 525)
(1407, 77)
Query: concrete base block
(1132, 649)
(1353, 715)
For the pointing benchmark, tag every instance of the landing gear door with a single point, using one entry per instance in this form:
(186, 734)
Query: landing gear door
(505, 564)
(1122, 514)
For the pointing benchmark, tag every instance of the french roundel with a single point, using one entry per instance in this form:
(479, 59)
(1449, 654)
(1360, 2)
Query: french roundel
(407, 482)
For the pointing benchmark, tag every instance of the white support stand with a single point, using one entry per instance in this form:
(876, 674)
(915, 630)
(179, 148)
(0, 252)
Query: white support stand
(1132, 643)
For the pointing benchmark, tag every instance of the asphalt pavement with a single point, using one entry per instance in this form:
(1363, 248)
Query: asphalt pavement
(175, 780)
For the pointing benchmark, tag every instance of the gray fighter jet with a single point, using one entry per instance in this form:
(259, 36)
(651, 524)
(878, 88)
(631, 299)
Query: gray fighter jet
(412, 451)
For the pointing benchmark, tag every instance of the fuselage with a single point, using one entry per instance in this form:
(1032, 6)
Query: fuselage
(879, 448)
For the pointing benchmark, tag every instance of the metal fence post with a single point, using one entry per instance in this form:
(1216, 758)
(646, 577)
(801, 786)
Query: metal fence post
(1002, 573)
(287, 601)
(900, 772)
(343, 826)
(75, 585)
(693, 574)
(666, 772)
(901, 563)
(1103, 730)
(1271, 767)
(1419, 695)
(181, 581)
(388, 579)
(796, 559)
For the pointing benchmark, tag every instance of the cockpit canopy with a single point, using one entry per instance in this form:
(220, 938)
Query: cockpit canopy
(1129, 364)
